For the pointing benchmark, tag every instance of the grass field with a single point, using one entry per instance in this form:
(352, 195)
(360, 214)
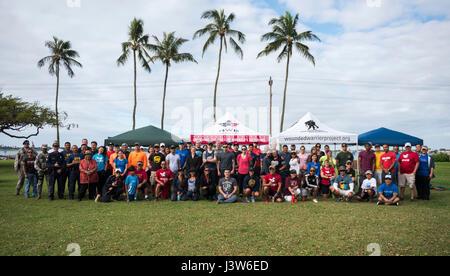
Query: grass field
(31, 227)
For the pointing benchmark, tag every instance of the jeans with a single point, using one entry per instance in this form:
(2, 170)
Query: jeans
(222, 199)
(191, 195)
(31, 180)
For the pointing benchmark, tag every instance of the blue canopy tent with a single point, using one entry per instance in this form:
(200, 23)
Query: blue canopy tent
(387, 136)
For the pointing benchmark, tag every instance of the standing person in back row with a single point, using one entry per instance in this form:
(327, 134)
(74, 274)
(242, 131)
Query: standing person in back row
(225, 161)
(138, 155)
(424, 174)
(210, 162)
(244, 161)
(56, 164)
(408, 163)
(366, 161)
(73, 167)
(41, 168)
(21, 154)
(183, 154)
(378, 169)
(344, 156)
(388, 160)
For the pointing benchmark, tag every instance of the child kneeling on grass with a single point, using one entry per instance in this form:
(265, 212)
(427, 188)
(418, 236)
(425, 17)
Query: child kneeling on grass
(131, 184)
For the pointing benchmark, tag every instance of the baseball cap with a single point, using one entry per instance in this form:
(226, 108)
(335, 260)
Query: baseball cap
(424, 148)
(293, 172)
(26, 142)
(272, 167)
(118, 170)
(156, 146)
(140, 163)
(181, 142)
(342, 168)
(349, 162)
(44, 146)
(124, 144)
(110, 144)
(388, 176)
(408, 144)
(137, 144)
(55, 145)
(369, 171)
(172, 147)
(162, 145)
(251, 170)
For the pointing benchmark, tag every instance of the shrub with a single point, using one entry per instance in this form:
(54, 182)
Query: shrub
(441, 157)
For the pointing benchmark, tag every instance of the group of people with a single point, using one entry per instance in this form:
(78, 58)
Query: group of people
(223, 172)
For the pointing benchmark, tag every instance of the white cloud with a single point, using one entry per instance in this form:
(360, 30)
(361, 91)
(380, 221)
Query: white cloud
(395, 74)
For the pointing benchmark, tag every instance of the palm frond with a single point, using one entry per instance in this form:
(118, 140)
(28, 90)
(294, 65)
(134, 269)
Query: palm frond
(237, 49)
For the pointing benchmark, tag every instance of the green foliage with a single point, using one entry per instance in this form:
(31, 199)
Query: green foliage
(220, 27)
(284, 35)
(17, 115)
(441, 157)
(167, 50)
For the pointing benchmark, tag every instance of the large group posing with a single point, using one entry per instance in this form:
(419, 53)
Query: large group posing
(224, 172)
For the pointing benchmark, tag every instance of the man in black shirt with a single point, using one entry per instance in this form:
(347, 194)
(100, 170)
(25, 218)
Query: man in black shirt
(56, 165)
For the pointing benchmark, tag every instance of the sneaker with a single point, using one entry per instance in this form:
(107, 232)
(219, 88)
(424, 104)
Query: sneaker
(396, 204)
(253, 199)
(267, 201)
(315, 201)
(380, 203)
(349, 200)
(246, 200)
(17, 192)
(295, 200)
(292, 199)
(339, 200)
(97, 197)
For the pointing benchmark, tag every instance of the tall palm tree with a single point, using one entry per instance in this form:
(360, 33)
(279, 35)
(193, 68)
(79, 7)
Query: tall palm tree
(220, 27)
(61, 54)
(167, 51)
(137, 44)
(284, 34)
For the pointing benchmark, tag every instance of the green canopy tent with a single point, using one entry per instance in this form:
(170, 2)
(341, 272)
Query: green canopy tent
(146, 136)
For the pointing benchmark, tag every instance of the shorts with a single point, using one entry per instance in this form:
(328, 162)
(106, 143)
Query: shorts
(273, 193)
(378, 176)
(153, 178)
(325, 190)
(406, 179)
(366, 195)
(344, 192)
(146, 185)
(297, 192)
(255, 188)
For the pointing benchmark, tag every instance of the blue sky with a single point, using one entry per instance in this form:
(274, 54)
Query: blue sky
(380, 63)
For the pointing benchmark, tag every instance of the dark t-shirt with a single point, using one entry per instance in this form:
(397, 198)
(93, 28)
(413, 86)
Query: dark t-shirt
(227, 185)
(291, 183)
(226, 160)
(367, 160)
(29, 164)
(343, 157)
(155, 161)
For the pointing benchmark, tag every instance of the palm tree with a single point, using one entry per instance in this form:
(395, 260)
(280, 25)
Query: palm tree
(167, 51)
(61, 54)
(284, 34)
(220, 26)
(137, 43)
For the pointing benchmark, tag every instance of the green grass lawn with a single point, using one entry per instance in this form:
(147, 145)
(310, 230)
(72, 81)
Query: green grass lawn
(31, 227)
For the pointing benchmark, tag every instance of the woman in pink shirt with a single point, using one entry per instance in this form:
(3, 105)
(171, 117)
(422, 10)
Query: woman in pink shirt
(244, 161)
(303, 156)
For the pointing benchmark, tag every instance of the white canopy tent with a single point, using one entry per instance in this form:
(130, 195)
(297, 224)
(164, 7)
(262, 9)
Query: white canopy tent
(228, 129)
(309, 130)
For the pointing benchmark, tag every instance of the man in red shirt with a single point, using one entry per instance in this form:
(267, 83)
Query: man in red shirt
(387, 164)
(272, 185)
(163, 178)
(143, 185)
(408, 163)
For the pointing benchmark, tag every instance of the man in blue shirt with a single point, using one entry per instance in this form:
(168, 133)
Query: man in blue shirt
(388, 192)
(424, 174)
(131, 184)
(183, 153)
(72, 166)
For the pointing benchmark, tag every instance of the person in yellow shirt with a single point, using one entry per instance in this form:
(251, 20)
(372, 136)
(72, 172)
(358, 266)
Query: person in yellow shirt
(378, 169)
(136, 156)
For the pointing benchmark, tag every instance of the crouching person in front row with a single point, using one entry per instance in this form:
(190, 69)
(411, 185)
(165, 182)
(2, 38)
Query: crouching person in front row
(388, 192)
(343, 186)
(113, 188)
(227, 189)
(192, 187)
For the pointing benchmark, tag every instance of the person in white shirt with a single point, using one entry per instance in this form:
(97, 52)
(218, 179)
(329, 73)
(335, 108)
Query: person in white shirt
(368, 188)
(174, 160)
(294, 163)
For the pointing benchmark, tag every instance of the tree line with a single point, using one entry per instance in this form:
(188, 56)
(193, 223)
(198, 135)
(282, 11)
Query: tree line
(147, 49)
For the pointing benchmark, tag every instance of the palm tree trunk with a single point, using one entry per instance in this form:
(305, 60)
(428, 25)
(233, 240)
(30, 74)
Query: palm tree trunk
(164, 97)
(135, 101)
(56, 102)
(284, 96)
(217, 78)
